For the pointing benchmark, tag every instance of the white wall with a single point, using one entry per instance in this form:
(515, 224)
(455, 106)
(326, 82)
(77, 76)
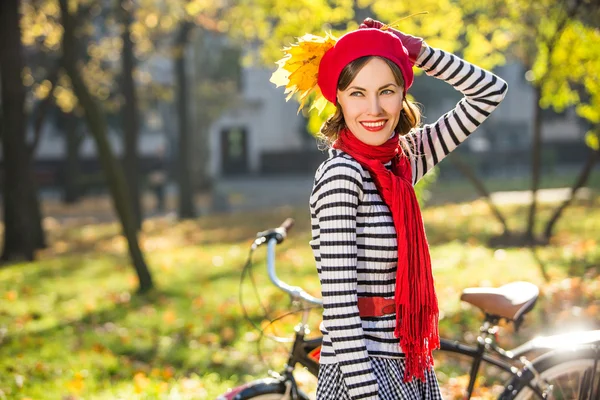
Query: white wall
(52, 145)
(271, 123)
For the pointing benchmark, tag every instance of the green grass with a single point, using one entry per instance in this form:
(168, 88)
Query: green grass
(72, 327)
(460, 190)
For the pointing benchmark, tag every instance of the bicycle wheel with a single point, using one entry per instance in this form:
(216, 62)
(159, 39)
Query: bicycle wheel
(570, 374)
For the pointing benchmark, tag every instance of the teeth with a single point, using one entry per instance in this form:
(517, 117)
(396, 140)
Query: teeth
(374, 124)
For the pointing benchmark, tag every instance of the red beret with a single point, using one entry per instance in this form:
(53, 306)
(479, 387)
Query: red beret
(360, 43)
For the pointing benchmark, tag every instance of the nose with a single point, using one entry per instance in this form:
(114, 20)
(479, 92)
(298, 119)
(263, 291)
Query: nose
(374, 106)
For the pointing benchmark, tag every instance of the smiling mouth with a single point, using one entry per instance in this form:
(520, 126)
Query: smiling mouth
(374, 126)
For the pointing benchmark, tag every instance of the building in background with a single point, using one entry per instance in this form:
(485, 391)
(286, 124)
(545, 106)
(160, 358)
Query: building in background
(259, 133)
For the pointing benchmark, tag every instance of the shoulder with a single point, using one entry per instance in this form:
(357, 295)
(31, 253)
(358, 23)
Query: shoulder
(340, 169)
(338, 163)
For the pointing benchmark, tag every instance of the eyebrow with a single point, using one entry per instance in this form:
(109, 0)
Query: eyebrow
(382, 87)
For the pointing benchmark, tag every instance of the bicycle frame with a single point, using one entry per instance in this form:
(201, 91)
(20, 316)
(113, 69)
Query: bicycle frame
(479, 355)
(306, 352)
(513, 361)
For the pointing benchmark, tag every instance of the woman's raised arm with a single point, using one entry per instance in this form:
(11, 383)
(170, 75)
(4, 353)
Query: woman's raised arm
(483, 91)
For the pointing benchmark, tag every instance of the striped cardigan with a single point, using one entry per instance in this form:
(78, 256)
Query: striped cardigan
(353, 235)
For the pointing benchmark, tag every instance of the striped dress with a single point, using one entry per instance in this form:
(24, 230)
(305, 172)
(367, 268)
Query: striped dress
(354, 244)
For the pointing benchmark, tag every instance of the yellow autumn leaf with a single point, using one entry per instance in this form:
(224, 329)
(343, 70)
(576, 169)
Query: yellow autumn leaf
(76, 385)
(320, 104)
(592, 140)
(298, 68)
(169, 317)
(141, 382)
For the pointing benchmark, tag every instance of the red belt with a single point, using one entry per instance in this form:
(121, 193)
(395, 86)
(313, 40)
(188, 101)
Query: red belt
(375, 306)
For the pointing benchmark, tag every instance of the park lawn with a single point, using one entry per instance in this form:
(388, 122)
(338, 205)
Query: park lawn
(72, 326)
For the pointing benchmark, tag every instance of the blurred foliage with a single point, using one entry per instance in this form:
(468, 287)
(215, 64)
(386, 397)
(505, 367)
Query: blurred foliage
(572, 78)
(557, 41)
(42, 34)
(76, 330)
(593, 140)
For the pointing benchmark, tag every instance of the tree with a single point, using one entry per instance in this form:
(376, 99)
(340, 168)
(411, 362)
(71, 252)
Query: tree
(100, 45)
(47, 84)
(98, 127)
(211, 91)
(70, 125)
(22, 216)
(186, 196)
(548, 39)
(539, 39)
(579, 86)
(156, 22)
(130, 114)
(217, 75)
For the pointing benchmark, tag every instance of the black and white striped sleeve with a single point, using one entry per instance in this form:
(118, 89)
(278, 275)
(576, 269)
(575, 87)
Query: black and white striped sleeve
(483, 91)
(336, 198)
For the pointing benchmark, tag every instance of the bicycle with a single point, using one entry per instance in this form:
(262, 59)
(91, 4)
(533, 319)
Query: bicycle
(568, 368)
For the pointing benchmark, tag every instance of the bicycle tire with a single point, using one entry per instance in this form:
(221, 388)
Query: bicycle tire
(569, 373)
(266, 391)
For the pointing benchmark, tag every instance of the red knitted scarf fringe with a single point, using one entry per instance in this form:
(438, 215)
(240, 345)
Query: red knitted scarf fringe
(416, 302)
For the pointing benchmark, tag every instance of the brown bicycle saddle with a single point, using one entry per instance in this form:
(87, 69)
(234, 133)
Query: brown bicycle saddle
(509, 301)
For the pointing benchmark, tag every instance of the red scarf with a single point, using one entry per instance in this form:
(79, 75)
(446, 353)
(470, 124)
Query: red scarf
(416, 302)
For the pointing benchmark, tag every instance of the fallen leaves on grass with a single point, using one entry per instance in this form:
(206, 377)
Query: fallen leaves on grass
(141, 382)
(148, 346)
(570, 299)
(11, 295)
(77, 384)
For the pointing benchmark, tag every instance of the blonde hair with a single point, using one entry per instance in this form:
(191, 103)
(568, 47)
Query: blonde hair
(410, 115)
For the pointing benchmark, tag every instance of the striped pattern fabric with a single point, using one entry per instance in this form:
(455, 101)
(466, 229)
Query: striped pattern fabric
(353, 236)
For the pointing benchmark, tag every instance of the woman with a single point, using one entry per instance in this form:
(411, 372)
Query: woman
(380, 310)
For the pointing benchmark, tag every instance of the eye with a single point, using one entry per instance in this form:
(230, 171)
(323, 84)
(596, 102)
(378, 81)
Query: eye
(387, 91)
(356, 94)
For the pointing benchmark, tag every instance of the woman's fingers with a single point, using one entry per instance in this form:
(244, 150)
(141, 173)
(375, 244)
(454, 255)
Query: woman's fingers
(371, 23)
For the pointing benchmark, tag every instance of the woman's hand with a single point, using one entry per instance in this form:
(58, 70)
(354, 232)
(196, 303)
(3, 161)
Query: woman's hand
(414, 45)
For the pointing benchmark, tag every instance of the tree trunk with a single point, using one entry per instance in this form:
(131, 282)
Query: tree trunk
(98, 127)
(39, 236)
(468, 172)
(35, 208)
(71, 190)
(130, 115)
(203, 59)
(42, 109)
(186, 195)
(18, 194)
(536, 149)
(581, 180)
(202, 178)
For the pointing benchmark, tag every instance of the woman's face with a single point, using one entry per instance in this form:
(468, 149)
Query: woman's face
(371, 103)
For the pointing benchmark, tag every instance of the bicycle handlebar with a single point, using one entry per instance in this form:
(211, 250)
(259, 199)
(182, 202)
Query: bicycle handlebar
(296, 292)
(273, 237)
(278, 233)
(287, 224)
